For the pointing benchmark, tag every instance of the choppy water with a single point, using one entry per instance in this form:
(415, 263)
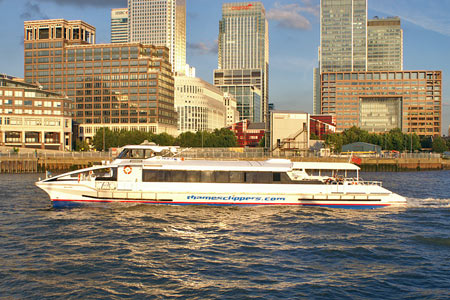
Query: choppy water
(163, 252)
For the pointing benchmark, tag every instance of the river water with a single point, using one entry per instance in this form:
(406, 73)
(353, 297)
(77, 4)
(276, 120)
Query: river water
(165, 252)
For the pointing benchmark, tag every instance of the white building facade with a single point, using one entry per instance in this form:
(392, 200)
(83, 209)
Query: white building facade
(160, 23)
(289, 131)
(34, 118)
(119, 25)
(232, 111)
(199, 104)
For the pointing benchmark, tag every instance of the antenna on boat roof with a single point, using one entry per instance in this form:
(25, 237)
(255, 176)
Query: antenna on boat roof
(146, 142)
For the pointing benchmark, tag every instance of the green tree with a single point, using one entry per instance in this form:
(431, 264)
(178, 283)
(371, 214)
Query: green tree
(81, 145)
(164, 139)
(334, 141)
(439, 145)
(186, 139)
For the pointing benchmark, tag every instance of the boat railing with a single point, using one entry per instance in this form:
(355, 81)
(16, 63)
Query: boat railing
(370, 182)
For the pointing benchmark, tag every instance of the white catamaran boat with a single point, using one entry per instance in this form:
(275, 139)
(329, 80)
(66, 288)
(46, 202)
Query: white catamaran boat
(147, 174)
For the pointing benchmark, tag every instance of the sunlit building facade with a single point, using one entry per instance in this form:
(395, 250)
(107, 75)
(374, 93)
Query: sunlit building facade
(199, 104)
(384, 45)
(343, 35)
(120, 86)
(119, 25)
(243, 58)
(160, 23)
(379, 101)
(33, 118)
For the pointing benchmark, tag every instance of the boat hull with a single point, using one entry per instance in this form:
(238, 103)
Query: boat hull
(356, 197)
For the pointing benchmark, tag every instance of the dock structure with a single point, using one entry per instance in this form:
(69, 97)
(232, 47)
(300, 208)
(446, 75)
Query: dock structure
(40, 165)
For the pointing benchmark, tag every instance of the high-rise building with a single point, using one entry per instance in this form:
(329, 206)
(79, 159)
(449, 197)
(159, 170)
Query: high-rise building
(243, 58)
(384, 45)
(120, 86)
(343, 35)
(160, 23)
(119, 25)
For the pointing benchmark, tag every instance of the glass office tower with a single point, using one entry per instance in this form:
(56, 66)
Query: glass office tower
(243, 58)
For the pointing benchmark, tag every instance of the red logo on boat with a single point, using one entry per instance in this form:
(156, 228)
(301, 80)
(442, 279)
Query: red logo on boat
(127, 170)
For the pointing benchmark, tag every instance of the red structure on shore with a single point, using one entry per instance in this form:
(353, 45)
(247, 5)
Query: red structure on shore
(248, 134)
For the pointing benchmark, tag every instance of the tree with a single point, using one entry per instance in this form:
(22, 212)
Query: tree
(439, 145)
(81, 145)
(185, 139)
(334, 141)
(164, 139)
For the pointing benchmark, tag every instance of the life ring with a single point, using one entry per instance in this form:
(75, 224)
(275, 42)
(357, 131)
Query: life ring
(127, 170)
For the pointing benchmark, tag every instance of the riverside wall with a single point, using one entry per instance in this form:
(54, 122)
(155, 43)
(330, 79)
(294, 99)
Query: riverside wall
(60, 164)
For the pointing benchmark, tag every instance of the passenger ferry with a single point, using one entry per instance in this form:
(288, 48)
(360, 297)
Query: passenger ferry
(147, 174)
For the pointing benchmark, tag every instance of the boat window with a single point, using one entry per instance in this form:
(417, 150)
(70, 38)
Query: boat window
(250, 177)
(276, 177)
(193, 176)
(151, 175)
(236, 177)
(207, 176)
(108, 174)
(222, 176)
(214, 176)
(124, 154)
(175, 176)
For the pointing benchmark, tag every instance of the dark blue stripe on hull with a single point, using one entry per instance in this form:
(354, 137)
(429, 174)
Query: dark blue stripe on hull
(74, 203)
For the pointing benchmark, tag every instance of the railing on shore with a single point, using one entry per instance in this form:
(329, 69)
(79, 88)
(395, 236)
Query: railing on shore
(28, 160)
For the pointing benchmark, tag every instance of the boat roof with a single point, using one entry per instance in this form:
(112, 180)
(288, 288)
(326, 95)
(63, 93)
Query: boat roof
(325, 166)
(219, 165)
(151, 147)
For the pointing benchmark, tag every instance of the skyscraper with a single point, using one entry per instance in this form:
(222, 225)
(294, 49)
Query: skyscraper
(343, 35)
(243, 58)
(384, 44)
(119, 25)
(160, 23)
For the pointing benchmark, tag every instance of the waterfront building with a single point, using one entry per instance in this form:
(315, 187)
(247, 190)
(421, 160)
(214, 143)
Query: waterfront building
(120, 86)
(248, 134)
(289, 131)
(384, 44)
(199, 104)
(160, 23)
(119, 25)
(320, 125)
(231, 105)
(379, 101)
(243, 57)
(32, 117)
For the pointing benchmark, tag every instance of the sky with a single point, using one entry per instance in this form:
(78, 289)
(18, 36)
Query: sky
(294, 35)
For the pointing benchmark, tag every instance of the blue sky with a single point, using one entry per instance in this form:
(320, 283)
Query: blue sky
(293, 33)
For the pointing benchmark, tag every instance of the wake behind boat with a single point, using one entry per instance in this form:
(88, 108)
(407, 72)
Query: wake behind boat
(147, 174)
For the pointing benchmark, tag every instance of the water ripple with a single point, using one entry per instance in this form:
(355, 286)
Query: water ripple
(162, 252)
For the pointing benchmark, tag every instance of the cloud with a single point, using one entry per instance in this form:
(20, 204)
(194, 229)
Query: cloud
(430, 15)
(290, 15)
(32, 11)
(203, 48)
(98, 3)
